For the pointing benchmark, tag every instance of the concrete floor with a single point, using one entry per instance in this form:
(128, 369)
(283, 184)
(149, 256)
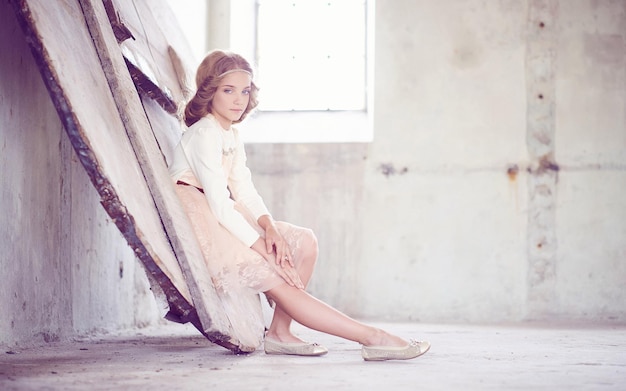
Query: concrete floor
(462, 357)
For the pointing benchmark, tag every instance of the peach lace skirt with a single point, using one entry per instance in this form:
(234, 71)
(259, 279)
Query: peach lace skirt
(238, 272)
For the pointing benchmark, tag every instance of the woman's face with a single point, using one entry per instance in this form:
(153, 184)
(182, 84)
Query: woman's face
(231, 98)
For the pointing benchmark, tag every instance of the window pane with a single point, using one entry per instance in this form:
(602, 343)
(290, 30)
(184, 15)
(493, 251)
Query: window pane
(311, 54)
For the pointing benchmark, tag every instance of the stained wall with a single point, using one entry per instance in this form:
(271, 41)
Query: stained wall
(493, 190)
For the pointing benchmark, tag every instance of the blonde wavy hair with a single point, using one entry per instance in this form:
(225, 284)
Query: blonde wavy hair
(210, 73)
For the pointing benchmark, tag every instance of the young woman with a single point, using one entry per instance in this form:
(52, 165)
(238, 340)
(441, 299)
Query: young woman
(245, 249)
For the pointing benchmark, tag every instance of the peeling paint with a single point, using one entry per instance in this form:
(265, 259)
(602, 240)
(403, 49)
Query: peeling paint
(512, 172)
(541, 52)
(388, 169)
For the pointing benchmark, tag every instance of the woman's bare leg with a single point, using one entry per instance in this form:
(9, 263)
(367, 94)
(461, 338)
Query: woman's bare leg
(280, 327)
(293, 303)
(317, 315)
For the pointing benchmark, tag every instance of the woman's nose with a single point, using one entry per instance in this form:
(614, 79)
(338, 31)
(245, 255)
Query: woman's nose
(240, 99)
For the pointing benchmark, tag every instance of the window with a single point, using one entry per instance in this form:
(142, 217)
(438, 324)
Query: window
(311, 55)
(313, 62)
(191, 16)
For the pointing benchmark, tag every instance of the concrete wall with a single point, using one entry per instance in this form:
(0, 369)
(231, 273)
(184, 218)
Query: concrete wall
(64, 266)
(493, 190)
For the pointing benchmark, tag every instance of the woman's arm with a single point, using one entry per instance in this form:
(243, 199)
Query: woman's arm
(203, 150)
(204, 155)
(240, 182)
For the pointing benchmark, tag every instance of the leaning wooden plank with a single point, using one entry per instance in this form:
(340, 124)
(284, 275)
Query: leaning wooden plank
(140, 57)
(136, 18)
(163, 38)
(157, 55)
(63, 50)
(177, 226)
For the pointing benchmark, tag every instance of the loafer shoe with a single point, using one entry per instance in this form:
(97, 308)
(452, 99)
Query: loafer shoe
(382, 353)
(294, 348)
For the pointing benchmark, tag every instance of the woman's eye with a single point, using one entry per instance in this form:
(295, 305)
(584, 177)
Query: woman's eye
(246, 92)
(228, 90)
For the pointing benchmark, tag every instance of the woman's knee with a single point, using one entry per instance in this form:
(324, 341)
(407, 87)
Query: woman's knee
(310, 244)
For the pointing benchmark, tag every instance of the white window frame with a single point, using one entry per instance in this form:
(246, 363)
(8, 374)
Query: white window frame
(301, 126)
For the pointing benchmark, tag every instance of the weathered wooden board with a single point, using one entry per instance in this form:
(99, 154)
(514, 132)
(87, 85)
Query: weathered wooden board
(146, 51)
(158, 58)
(176, 225)
(64, 52)
(105, 122)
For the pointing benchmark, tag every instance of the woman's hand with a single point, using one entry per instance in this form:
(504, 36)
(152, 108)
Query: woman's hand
(289, 274)
(277, 252)
(274, 242)
(284, 269)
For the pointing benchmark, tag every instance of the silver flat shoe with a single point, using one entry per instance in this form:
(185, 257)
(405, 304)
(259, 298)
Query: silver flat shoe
(294, 348)
(382, 353)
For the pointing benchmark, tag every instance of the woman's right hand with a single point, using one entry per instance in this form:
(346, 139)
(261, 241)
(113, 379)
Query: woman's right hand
(285, 270)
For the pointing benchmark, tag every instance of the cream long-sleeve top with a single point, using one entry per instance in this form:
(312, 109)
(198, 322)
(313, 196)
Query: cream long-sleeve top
(214, 159)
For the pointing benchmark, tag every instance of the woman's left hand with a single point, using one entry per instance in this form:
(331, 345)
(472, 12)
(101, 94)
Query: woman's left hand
(274, 241)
